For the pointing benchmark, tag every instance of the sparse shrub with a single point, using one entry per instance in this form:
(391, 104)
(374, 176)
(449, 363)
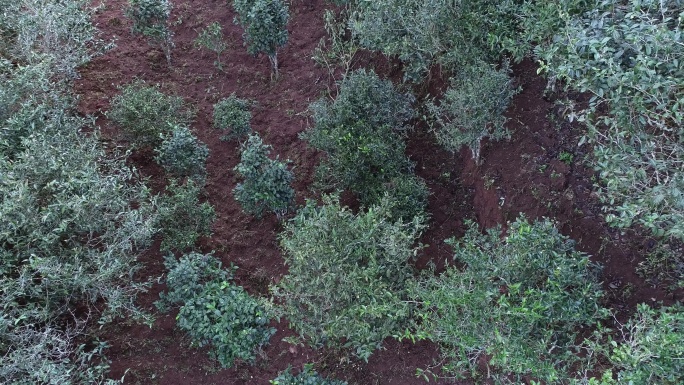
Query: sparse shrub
(211, 38)
(308, 376)
(360, 131)
(519, 302)
(145, 114)
(213, 310)
(181, 218)
(151, 19)
(347, 275)
(232, 115)
(265, 25)
(183, 155)
(267, 182)
(652, 352)
(472, 108)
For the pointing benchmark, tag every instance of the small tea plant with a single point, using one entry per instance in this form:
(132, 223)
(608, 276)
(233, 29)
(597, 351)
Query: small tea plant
(151, 19)
(232, 115)
(211, 38)
(146, 115)
(181, 154)
(267, 182)
(472, 109)
(265, 25)
(214, 311)
(308, 376)
(181, 218)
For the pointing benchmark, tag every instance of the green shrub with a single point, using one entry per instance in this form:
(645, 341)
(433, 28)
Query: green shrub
(214, 311)
(181, 218)
(265, 25)
(187, 277)
(422, 33)
(625, 54)
(267, 182)
(183, 155)
(653, 348)
(151, 19)
(346, 285)
(360, 132)
(145, 114)
(232, 114)
(473, 108)
(308, 376)
(519, 302)
(211, 37)
(225, 316)
(408, 197)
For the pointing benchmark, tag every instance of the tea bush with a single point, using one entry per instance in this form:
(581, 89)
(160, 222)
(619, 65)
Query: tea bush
(182, 219)
(267, 182)
(145, 114)
(308, 376)
(213, 310)
(232, 115)
(183, 155)
(519, 302)
(211, 37)
(151, 19)
(360, 132)
(626, 53)
(346, 285)
(265, 25)
(653, 347)
(473, 108)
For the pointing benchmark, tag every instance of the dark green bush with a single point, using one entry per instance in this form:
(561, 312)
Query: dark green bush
(308, 376)
(145, 114)
(181, 217)
(266, 184)
(232, 115)
(151, 19)
(187, 277)
(265, 25)
(360, 132)
(183, 155)
(517, 304)
(472, 108)
(348, 273)
(213, 310)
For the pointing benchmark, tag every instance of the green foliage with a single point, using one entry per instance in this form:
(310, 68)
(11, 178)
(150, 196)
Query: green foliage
(422, 33)
(74, 217)
(628, 55)
(265, 25)
(232, 114)
(407, 196)
(520, 301)
(308, 376)
(267, 182)
(360, 131)
(181, 218)
(183, 155)
(473, 108)
(211, 37)
(187, 277)
(214, 311)
(337, 49)
(346, 285)
(145, 114)
(653, 348)
(151, 19)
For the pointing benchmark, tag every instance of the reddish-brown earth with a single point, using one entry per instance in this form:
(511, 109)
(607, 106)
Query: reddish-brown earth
(523, 175)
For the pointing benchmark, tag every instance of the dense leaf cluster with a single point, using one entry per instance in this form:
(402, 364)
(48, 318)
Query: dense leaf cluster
(233, 116)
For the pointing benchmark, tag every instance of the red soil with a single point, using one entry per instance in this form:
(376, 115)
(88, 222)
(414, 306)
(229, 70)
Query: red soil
(523, 175)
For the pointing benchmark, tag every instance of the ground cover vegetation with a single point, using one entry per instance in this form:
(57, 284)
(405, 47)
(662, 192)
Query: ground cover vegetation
(511, 306)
